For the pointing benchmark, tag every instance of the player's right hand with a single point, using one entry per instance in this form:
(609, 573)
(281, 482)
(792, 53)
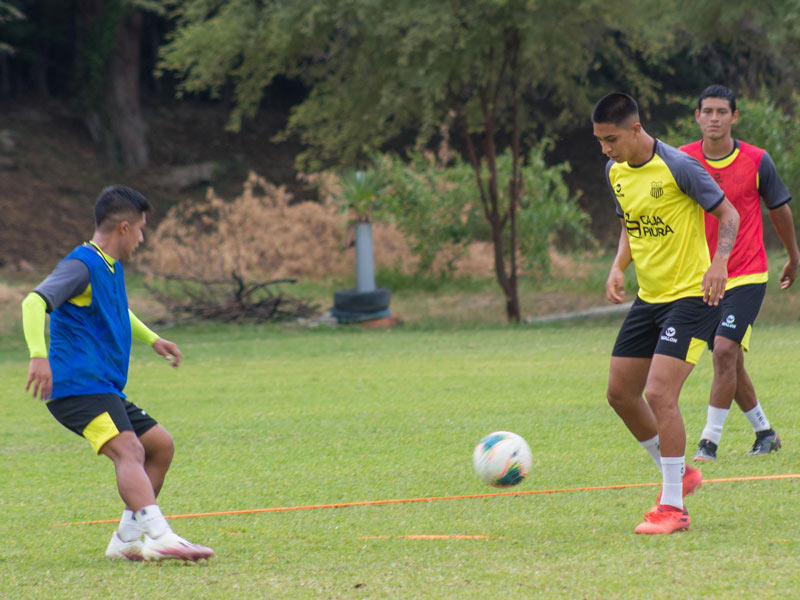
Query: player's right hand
(788, 275)
(40, 377)
(615, 286)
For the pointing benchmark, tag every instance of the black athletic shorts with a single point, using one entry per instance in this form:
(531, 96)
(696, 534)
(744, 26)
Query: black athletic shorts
(100, 417)
(680, 328)
(740, 308)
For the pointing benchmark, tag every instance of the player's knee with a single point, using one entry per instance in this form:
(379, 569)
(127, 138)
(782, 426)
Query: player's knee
(726, 357)
(159, 442)
(616, 396)
(657, 396)
(168, 447)
(125, 447)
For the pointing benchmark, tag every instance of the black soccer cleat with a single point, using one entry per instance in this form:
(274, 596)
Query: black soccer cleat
(766, 442)
(706, 451)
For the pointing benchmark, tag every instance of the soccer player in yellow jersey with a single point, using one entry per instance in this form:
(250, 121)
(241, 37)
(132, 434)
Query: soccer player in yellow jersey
(747, 175)
(660, 195)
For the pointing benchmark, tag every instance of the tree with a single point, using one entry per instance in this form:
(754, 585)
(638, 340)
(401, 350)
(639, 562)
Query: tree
(506, 71)
(8, 12)
(109, 63)
(87, 51)
(742, 45)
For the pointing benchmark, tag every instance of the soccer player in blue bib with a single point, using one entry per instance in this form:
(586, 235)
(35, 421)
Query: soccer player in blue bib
(83, 375)
(661, 195)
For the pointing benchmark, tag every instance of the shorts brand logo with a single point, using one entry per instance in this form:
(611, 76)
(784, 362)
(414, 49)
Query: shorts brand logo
(729, 322)
(669, 335)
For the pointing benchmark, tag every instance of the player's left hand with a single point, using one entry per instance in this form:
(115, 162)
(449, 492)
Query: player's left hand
(788, 275)
(714, 282)
(169, 350)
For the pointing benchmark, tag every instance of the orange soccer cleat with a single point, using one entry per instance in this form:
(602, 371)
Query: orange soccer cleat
(664, 519)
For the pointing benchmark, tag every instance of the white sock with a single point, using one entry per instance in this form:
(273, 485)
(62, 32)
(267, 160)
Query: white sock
(653, 448)
(152, 521)
(758, 420)
(672, 469)
(129, 528)
(714, 423)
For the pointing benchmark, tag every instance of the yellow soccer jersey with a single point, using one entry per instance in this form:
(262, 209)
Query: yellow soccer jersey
(662, 202)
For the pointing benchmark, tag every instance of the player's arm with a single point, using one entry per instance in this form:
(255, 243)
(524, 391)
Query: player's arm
(776, 197)
(716, 277)
(140, 331)
(40, 377)
(68, 280)
(783, 222)
(615, 284)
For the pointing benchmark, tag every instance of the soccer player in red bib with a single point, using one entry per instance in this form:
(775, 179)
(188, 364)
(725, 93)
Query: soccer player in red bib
(661, 195)
(747, 175)
(83, 375)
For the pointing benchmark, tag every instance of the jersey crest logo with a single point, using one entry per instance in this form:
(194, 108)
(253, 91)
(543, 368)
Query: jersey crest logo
(618, 191)
(656, 189)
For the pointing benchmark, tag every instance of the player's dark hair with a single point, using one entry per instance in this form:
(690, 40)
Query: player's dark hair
(116, 202)
(717, 91)
(615, 108)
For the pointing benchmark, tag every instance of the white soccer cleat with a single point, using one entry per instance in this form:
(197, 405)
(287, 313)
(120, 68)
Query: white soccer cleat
(119, 550)
(172, 546)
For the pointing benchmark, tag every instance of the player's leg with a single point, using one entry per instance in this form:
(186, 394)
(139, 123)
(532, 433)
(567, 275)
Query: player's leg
(723, 389)
(745, 395)
(127, 453)
(626, 382)
(159, 448)
(664, 383)
(136, 490)
(740, 308)
(100, 418)
(686, 325)
(630, 362)
(767, 440)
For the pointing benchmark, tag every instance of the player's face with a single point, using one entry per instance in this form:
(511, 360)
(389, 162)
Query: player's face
(715, 118)
(132, 236)
(618, 142)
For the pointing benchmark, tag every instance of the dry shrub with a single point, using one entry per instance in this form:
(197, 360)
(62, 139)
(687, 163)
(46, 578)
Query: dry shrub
(10, 310)
(262, 235)
(259, 235)
(10, 295)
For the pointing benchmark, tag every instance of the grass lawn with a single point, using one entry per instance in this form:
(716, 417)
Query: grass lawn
(275, 416)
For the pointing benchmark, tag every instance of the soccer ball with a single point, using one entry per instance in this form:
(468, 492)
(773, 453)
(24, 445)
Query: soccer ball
(502, 459)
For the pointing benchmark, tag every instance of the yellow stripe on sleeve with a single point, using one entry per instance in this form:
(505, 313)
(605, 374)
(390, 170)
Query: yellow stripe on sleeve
(34, 309)
(84, 298)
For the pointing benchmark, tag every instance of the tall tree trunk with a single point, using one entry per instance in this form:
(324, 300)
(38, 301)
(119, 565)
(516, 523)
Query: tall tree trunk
(490, 202)
(498, 218)
(515, 185)
(124, 99)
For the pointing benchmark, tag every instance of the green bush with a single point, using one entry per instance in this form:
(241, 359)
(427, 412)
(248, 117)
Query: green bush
(435, 202)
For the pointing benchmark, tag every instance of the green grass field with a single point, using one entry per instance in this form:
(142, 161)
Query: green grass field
(273, 417)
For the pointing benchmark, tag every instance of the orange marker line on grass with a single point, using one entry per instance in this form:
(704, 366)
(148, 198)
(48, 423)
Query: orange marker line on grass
(251, 511)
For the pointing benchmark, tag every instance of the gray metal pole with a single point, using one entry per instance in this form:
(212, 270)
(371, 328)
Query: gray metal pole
(365, 264)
